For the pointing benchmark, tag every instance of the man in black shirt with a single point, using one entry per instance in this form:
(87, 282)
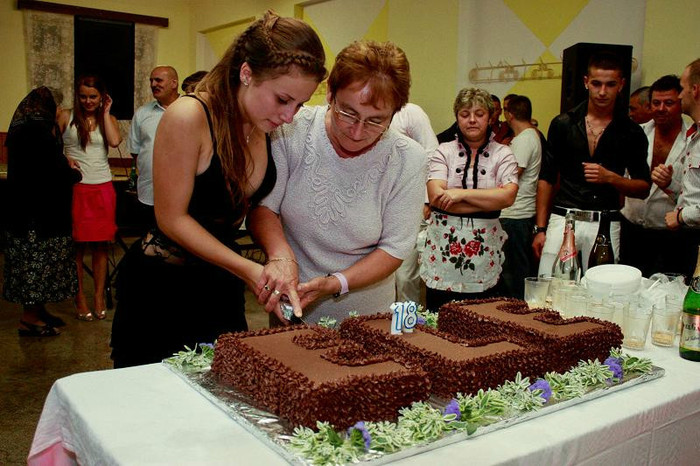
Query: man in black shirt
(591, 146)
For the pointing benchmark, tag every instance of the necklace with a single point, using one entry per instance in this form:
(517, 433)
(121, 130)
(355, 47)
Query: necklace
(247, 138)
(595, 135)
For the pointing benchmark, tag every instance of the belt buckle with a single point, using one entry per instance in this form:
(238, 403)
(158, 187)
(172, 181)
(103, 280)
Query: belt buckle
(585, 216)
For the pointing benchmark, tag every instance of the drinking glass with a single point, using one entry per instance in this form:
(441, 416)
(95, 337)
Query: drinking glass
(675, 303)
(559, 290)
(635, 325)
(576, 303)
(664, 323)
(600, 309)
(620, 302)
(536, 291)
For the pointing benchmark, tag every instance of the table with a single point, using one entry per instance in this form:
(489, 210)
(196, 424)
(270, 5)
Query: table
(149, 415)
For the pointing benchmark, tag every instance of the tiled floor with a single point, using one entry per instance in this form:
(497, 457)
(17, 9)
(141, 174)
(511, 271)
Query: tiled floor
(29, 366)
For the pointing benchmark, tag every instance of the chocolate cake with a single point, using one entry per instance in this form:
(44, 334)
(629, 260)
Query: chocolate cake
(308, 374)
(453, 364)
(566, 341)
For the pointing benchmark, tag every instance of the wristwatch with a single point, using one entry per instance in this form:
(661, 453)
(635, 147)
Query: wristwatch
(537, 229)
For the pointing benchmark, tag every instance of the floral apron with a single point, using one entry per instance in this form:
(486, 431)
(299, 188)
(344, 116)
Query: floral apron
(462, 254)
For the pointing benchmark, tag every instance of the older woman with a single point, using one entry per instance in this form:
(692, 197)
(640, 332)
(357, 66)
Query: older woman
(470, 180)
(347, 204)
(39, 253)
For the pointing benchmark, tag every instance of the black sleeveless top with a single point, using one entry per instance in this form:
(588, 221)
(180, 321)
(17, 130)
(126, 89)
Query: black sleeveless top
(211, 203)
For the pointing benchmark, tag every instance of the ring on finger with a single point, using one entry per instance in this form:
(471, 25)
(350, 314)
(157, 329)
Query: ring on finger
(266, 287)
(276, 292)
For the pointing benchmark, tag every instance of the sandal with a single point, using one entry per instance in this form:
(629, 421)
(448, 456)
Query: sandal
(34, 330)
(100, 314)
(52, 320)
(87, 317)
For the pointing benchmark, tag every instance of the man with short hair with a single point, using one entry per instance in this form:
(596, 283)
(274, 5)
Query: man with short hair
(164, 85)
(644, 221)
(687, 211)
(519, 219)
(639, 109)
(590, 148)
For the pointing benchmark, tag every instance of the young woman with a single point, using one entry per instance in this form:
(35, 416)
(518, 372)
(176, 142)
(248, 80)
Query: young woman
(183, 284)
(470, 180)
(349, 194)
(39, 254)
(88, 131)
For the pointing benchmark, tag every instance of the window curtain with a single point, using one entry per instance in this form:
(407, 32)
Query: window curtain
(50, 58)
(49, 48)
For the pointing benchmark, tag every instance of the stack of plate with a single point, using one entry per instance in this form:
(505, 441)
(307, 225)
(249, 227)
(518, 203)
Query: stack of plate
(618, 279)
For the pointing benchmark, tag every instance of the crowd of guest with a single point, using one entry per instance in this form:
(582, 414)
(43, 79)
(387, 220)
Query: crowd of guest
(356, 203)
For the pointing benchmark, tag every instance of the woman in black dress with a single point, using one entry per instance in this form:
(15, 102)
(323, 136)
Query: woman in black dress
(184, 282)
(39, 253)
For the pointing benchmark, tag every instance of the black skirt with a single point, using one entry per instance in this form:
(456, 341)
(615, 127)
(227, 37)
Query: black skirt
(162, 307)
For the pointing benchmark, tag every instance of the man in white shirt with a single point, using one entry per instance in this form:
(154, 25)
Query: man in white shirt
(686, 214)
(518, 220)
(644, 224)
(164, 85)
(639, 109)
(413, 122)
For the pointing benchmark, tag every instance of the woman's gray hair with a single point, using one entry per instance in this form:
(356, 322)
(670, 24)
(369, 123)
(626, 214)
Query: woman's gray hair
(473, 97)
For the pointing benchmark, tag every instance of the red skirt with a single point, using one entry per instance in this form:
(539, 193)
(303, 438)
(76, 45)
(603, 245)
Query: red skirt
(94, 212)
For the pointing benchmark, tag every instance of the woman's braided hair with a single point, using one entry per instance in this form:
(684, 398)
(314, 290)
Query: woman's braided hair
(271, 46)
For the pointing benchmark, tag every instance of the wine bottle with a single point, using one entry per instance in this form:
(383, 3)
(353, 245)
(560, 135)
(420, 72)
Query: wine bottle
(133, 177)
(602, 252)
(566, 266)
(689, 347)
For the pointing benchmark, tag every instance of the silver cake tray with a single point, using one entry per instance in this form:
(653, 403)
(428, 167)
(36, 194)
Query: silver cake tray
(276, 432)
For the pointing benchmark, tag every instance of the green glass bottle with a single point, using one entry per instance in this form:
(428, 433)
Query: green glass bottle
(133, 176)
(689, 347)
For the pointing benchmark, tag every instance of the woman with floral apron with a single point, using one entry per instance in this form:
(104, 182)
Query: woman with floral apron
(470, 180)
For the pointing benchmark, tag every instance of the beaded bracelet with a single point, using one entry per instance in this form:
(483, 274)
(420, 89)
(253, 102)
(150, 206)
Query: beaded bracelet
(281, 259)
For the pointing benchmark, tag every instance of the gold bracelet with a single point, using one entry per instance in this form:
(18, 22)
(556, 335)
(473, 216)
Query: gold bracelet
(281, 259)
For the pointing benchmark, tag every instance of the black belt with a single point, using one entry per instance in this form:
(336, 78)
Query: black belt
(488, 215)
(587, 215)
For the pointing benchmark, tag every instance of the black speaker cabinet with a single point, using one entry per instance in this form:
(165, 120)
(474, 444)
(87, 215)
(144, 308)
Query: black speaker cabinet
(575, 67)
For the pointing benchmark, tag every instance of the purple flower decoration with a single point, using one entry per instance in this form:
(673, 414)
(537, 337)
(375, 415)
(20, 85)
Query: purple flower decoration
(208, 345)
(453, 408)
(543, 385)
(420, 321)
(366, 437)
(612, 360)
(615, 366)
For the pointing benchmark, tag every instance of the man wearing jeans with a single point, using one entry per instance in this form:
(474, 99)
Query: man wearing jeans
(591, 147)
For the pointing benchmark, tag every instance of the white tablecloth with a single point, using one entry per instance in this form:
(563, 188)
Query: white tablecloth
(148, 415)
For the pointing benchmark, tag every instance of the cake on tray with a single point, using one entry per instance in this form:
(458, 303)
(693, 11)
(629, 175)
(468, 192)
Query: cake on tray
(308, 374)
(364, 373)
(566, 341)
(453, 364)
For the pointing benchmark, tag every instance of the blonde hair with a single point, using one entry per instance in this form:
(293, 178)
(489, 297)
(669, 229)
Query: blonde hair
(473, 97)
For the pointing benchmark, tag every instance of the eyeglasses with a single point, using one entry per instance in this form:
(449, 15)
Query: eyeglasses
(352, 120)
